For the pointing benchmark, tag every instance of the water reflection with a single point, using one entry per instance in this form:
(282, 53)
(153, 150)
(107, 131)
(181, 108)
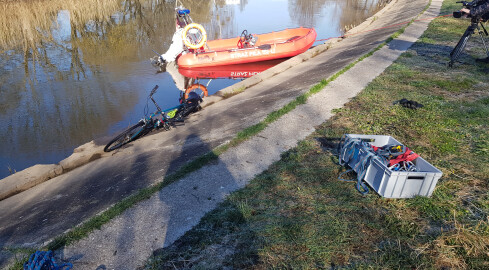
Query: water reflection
(353, 12)
(72, 70)
(230, 71)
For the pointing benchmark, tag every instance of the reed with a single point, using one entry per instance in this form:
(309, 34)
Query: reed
(28, 24)
(24, 24)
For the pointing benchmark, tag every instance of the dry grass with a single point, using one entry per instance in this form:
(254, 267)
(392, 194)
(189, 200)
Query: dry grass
(467, 241)
(27, 26)
(24, 24)
(234, 92)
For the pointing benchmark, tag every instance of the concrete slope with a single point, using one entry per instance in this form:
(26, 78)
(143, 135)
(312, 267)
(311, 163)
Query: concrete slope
(37, 215)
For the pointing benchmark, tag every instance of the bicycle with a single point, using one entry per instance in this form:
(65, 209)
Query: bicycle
(475, 24)
(160, 119)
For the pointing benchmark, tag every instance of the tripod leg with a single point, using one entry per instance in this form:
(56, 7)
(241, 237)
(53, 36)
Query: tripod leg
(460, 45)
(484, 42)
(481, 32)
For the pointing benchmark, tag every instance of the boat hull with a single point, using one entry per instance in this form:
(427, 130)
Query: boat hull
(275, 45)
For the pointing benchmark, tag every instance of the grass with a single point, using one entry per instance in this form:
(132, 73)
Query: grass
(27, 24)
(11, 170)
(298, 215)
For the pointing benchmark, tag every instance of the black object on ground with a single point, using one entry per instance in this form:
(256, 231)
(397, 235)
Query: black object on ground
(410, 104)
(483, 60)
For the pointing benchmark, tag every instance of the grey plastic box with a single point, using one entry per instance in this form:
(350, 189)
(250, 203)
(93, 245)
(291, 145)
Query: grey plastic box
(395, 184)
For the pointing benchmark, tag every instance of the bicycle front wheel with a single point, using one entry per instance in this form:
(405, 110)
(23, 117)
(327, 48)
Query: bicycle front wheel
(127, 136)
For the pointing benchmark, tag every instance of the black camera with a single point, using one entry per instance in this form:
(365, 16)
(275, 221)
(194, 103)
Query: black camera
(457, 14)
(465, 4)
(468, 5)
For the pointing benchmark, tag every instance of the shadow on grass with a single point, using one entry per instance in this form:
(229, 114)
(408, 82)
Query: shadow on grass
(213, 241)
(221, 239)
(294, 215)
(297, 215)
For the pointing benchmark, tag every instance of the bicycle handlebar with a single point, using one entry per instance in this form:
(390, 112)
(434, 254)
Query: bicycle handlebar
(153, 91)
(152, 99)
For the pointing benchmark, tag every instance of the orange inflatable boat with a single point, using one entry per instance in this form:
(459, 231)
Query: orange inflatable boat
(250, 48)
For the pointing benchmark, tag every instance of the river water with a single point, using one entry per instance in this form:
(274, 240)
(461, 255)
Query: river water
(72, 70)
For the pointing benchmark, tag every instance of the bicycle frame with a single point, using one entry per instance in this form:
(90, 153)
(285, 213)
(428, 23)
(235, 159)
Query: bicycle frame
(158, 119)
(153, 121)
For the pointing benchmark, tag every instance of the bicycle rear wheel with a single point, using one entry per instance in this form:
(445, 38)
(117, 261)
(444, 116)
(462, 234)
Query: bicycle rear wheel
(457, 51)
(129, 135)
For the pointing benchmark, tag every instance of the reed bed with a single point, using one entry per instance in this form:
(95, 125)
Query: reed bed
(24, 24)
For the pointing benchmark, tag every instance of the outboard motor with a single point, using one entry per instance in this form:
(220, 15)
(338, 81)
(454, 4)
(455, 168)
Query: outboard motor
(193, 98)
(246, 40)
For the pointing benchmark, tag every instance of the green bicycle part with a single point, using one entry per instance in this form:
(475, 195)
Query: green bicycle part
(171, 113)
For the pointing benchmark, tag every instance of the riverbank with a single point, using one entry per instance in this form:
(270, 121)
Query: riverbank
(297, 214)
(296, 175)
(109, 178)
(102, 78)
(93, 150)
(86, 153)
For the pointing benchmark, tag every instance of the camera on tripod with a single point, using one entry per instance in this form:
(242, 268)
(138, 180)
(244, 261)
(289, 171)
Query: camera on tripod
(469, 5)
(476, 24)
